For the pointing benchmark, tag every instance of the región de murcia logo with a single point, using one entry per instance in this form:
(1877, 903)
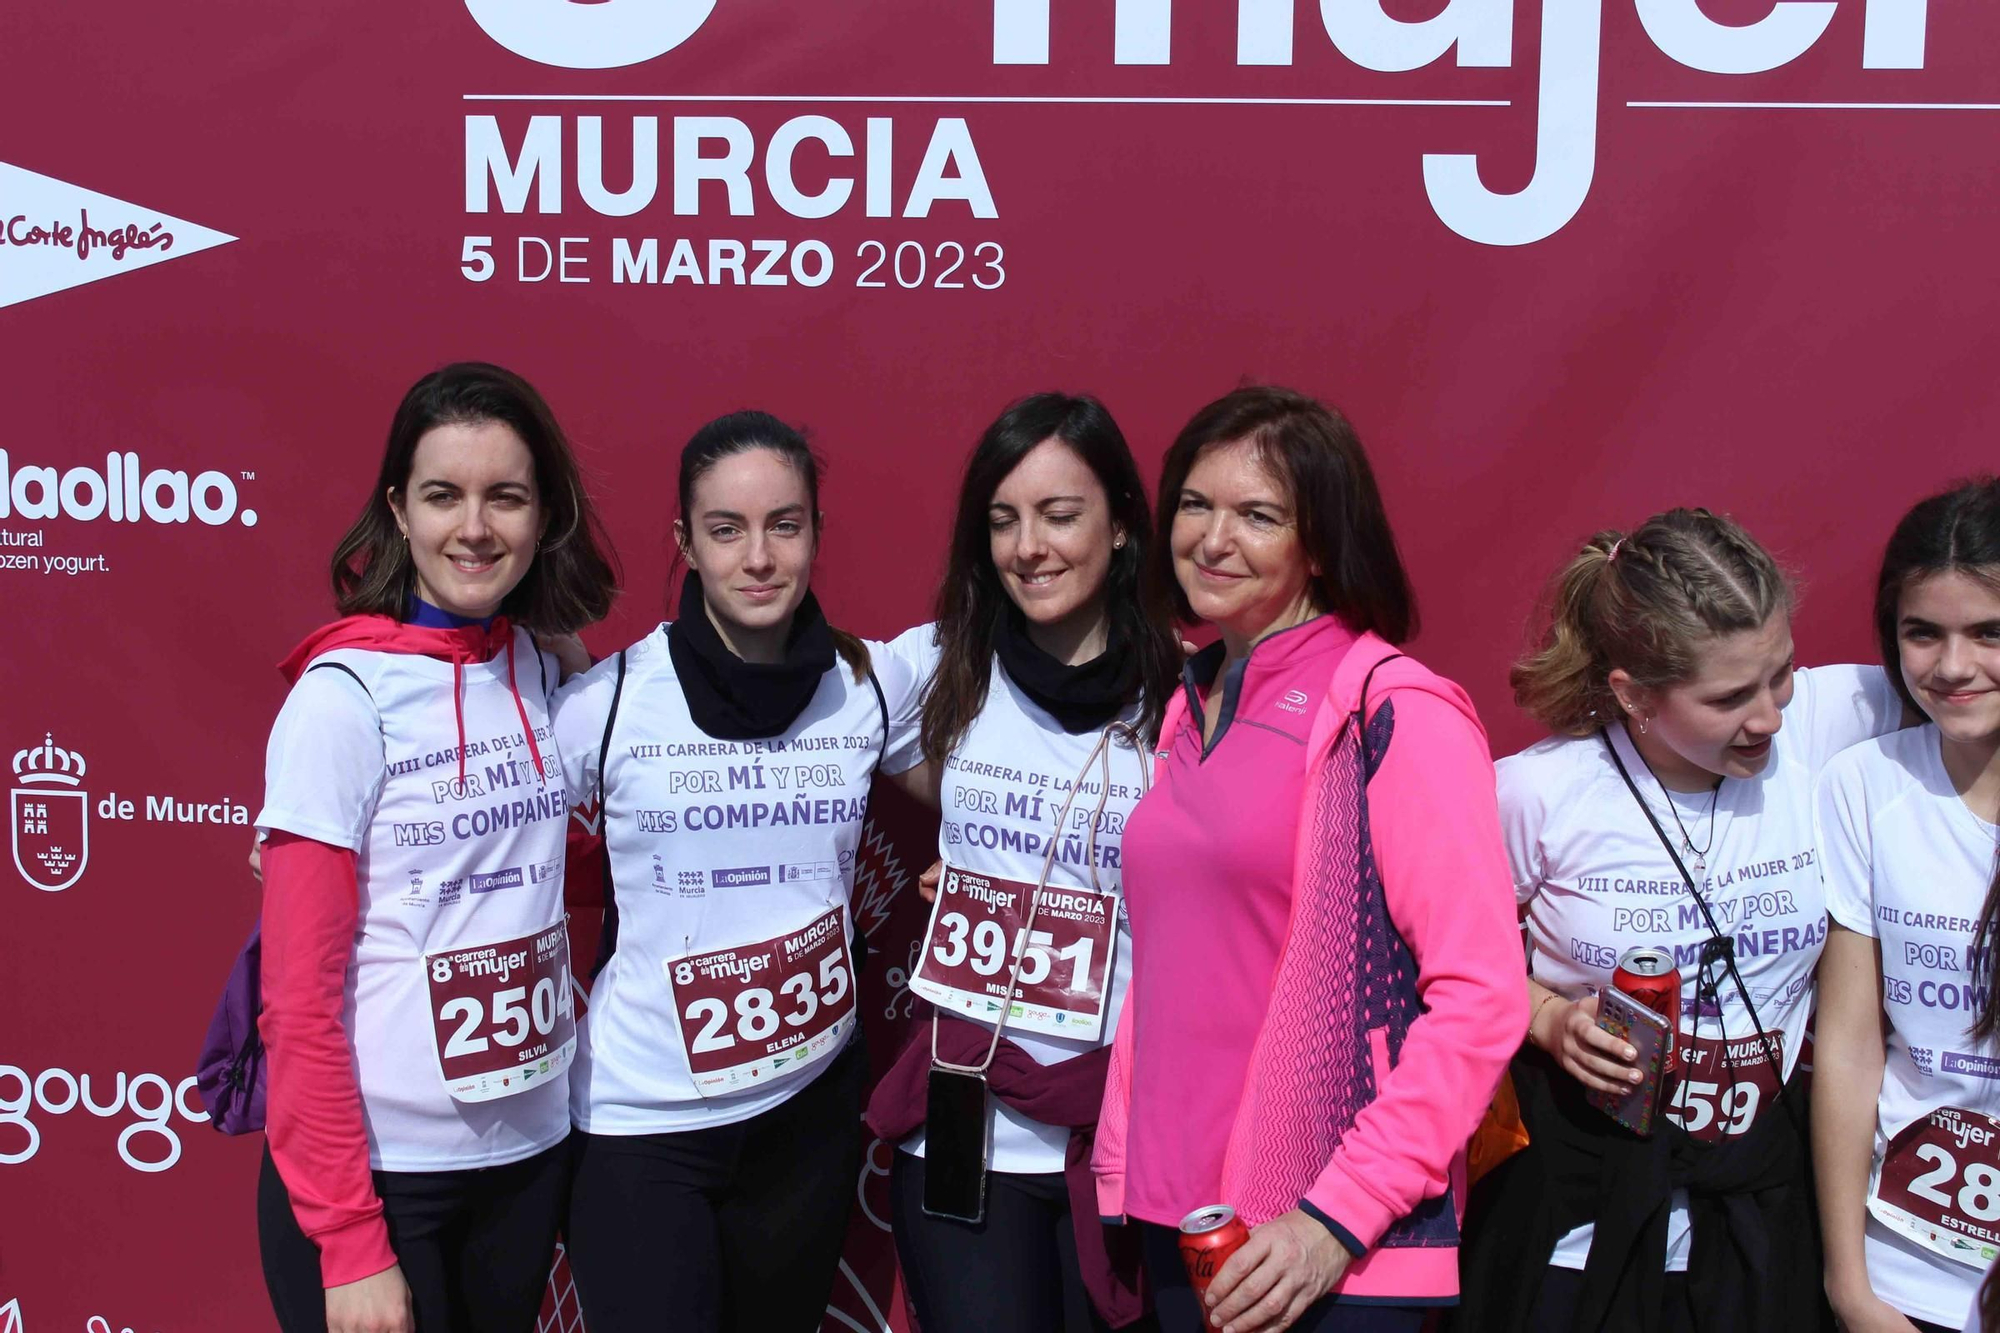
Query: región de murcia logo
(51, 815)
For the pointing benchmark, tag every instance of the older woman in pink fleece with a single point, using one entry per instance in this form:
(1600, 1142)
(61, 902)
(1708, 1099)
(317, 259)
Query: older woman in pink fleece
(1326, 977)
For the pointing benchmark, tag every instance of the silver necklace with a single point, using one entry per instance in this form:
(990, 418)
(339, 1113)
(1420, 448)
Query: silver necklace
(1699, 855)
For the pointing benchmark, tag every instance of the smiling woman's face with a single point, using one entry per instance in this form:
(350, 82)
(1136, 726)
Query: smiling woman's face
(472, 516)
(1235, 541)
(1948, 637)
(1049, 523)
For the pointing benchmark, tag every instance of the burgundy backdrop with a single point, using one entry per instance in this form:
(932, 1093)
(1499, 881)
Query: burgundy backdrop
(1564, 264)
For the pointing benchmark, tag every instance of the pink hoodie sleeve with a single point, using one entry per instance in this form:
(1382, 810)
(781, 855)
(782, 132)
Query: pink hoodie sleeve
(1436, 832)
(312, 1104)
(1107, 1155)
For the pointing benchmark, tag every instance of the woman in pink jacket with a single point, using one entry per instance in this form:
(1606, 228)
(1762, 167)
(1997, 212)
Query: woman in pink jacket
(1326, 972)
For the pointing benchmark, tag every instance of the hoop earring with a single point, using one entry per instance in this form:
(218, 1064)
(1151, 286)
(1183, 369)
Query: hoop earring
(1642, 726)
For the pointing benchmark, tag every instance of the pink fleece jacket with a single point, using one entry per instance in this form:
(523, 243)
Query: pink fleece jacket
(1396, 1000)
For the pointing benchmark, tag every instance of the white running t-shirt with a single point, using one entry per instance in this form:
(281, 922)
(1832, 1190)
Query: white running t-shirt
(1909, 865)
(713, 843)
(1001, 788)
(370, 762)
(1594, 881)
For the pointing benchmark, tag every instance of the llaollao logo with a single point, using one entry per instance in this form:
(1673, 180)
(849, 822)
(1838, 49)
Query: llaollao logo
(50, 813)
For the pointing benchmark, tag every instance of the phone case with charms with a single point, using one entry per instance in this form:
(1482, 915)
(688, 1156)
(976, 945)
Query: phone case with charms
(1647, 1033)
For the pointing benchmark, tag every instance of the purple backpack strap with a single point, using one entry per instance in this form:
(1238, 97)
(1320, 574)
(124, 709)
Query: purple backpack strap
(230, 1070)
(229, 1073)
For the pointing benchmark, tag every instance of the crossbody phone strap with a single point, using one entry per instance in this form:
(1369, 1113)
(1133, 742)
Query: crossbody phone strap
(1723, 943)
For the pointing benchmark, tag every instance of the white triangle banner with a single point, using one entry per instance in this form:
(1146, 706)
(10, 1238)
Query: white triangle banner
(54, 236)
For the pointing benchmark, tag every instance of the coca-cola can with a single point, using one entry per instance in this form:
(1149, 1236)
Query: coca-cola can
(1650, 977)
(1208, 1237)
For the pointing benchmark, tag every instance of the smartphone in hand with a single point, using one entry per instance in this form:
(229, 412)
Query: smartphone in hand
(1645, 1031)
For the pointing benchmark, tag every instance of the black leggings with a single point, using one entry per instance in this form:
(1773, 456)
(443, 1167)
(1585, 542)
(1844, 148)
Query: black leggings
(1014, 1272)
(1180, 1311)
(474, 1246)
(734, 1228)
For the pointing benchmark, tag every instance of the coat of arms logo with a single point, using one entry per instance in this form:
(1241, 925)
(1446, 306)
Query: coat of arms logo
(51, 815)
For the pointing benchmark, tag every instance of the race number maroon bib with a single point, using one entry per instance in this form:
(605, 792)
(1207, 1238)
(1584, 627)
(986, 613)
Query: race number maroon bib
(977, 925)
(501, 1014)
(1724, 1084)
(755, 1013)
(1939, 1185)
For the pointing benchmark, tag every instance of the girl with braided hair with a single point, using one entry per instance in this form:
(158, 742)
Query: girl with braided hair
(1672, 811)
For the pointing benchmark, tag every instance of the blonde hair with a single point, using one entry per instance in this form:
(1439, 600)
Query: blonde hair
(1644, 601)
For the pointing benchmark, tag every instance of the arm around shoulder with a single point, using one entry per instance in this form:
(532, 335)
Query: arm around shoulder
(578, 712)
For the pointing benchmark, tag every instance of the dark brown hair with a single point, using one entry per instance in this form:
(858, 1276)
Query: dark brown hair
(739, 433)
(971, 601)
(1957, 531)
(1343, 528)
(1676, 580)
(573, 578)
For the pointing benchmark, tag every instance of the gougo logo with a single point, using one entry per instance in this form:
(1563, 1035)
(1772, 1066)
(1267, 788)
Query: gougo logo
(58, 1092)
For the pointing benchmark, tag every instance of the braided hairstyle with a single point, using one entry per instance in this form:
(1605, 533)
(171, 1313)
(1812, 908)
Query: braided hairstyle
(1644, 601)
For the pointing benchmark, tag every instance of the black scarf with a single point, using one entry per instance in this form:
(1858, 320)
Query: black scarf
(1080, 698)
(734, 700)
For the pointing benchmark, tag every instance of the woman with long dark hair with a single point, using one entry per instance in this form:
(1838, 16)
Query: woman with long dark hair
(415, 812)
(1670, 811)
(718, 1085)
(1326, 972)
(1906, 1078)
(1044, 684)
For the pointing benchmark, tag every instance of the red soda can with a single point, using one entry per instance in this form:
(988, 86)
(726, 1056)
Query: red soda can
(1650, 977)
(1208, 1237)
